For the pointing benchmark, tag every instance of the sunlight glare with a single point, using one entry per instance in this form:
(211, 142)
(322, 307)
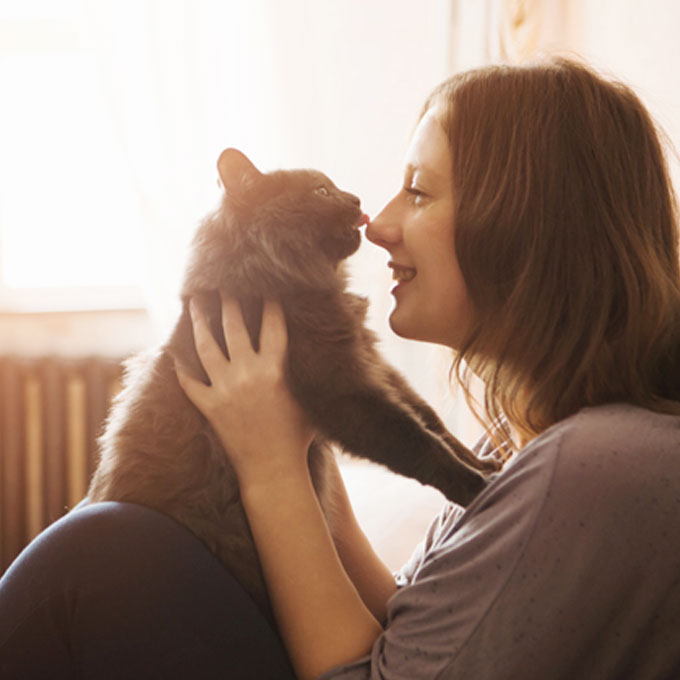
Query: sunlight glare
(69, 215)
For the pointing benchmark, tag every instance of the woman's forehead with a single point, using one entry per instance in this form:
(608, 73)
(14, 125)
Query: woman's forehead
(428, 151)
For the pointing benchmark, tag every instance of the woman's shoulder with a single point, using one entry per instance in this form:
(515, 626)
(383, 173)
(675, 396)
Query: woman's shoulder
(613, 440)
(602, 461)
(607, 434)
(597, 467)
(623, 426)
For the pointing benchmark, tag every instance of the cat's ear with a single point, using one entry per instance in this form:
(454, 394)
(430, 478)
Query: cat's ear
(236, 171)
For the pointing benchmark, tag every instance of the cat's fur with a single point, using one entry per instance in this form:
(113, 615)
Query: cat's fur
(279, 236)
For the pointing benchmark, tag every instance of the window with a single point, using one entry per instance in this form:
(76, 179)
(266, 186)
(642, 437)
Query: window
(70, 218)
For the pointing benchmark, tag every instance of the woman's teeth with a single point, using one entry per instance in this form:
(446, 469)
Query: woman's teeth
(402, 274)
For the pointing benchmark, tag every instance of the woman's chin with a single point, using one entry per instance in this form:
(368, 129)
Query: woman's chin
(400, 326)
(415, 327)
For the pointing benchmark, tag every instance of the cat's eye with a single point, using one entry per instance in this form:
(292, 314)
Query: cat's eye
(321, 190)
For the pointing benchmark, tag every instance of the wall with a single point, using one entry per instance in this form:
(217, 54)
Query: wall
(638, 43)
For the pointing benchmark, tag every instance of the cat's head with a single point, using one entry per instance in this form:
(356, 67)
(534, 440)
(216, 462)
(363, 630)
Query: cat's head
(289, 225)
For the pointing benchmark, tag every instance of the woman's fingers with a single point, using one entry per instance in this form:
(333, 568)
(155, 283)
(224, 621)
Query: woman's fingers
(197, 391)
(274, 335)
(209, 352)
(235, 331)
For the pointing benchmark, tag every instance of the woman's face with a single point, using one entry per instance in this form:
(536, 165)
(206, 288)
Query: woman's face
(416, 228)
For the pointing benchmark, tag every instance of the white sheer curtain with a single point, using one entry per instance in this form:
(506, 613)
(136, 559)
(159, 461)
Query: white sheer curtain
(184, 79)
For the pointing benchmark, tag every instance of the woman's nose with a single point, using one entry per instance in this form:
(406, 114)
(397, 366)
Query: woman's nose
(384, 229)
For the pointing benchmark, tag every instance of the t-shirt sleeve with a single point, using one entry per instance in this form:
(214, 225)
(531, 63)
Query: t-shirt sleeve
(454, 578)
(441, 525)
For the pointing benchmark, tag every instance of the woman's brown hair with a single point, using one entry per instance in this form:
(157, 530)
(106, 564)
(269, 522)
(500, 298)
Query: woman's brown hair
(567, 236)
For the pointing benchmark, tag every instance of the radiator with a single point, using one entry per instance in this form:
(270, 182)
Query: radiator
(51, 412)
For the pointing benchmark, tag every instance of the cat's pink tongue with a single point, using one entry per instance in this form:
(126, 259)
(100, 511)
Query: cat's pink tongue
(364, 219)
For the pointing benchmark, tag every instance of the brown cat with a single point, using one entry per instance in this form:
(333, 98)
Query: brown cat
(283, 236)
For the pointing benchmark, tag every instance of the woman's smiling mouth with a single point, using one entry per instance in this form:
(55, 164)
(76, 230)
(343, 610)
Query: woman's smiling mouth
(400, 273)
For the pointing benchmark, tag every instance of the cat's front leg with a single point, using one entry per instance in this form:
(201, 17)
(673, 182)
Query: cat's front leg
(433, 422)
(337, 377)
(370, 425)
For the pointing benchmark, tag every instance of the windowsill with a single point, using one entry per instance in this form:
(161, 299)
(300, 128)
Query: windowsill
(111, 333)
(70, 299)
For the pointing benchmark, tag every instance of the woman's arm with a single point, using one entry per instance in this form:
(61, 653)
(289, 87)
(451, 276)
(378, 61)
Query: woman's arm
(370, 575)
(322, 617)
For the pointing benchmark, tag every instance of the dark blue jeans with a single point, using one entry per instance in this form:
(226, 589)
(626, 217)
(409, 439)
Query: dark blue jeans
(115, 590)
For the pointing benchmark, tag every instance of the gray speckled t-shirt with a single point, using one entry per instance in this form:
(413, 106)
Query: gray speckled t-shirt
(566, 566)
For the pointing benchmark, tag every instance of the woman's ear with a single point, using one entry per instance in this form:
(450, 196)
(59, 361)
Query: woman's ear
(236, 171)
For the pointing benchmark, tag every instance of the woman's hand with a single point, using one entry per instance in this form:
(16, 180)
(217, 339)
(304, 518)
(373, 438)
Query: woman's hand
(261, 426)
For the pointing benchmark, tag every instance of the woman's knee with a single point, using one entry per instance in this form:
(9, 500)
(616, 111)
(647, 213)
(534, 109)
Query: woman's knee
(129, 588)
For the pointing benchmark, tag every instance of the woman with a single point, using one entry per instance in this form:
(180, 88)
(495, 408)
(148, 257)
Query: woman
(536, 235)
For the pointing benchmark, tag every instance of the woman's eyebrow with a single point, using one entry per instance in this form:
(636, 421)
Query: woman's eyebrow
(426, 172)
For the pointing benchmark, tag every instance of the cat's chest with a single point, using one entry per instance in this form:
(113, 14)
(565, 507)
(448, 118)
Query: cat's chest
(357, 305)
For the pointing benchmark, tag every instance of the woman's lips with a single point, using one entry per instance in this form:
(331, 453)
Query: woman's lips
(401, 273)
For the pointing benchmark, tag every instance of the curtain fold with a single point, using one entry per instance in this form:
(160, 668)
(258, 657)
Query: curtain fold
(508, 31)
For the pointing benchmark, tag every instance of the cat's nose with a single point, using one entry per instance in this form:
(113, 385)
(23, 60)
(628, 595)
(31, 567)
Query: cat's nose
(352, 197)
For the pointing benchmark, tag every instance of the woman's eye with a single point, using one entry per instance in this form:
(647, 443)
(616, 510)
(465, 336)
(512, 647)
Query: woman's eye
(321, 190)
(415, 195)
